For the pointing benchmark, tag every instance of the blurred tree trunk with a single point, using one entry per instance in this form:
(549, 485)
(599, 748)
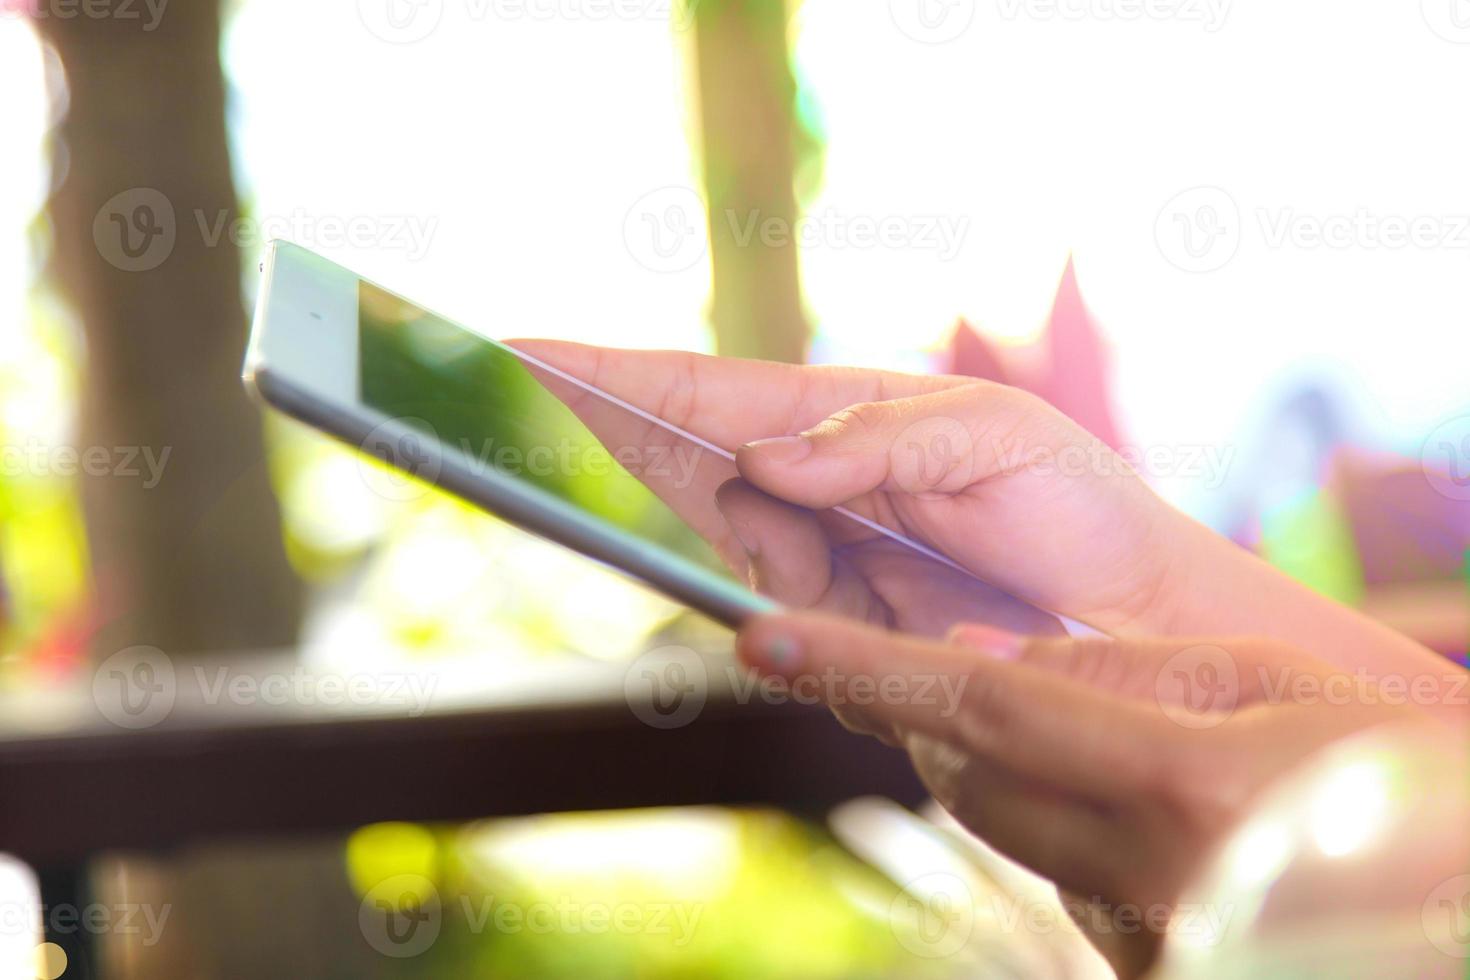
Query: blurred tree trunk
(197, 561)
(747, 106)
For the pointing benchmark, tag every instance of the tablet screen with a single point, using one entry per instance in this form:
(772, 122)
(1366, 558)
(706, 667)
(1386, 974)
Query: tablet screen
(483, 400)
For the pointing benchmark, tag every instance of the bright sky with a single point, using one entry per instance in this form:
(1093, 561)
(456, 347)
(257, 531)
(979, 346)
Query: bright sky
(498, 160)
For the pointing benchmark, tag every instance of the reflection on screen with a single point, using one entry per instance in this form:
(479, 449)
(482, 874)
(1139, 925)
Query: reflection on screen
(482, 400)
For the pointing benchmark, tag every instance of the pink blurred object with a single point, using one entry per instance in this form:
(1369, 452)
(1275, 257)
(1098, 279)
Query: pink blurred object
(1406, 531)
(1069, 368)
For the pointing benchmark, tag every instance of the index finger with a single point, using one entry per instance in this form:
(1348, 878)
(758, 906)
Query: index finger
(1027, 719)
(724, 400)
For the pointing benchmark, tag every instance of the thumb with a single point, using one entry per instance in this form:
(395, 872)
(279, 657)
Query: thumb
(932, 445)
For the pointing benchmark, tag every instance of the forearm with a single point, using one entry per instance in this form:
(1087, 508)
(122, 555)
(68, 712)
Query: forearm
(1221, 588)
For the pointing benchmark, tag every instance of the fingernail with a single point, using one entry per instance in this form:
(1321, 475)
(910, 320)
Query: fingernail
(997, 642)
(780, 654)
(786, 449)
(745, 534)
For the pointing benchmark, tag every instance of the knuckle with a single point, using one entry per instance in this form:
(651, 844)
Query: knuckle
(985, 721)
(677, 403)
(1090, 659)
(854, 422)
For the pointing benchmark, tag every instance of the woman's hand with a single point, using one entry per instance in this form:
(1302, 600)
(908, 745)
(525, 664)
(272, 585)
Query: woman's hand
(959, 465)
(992, 477)
(1112, 768)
